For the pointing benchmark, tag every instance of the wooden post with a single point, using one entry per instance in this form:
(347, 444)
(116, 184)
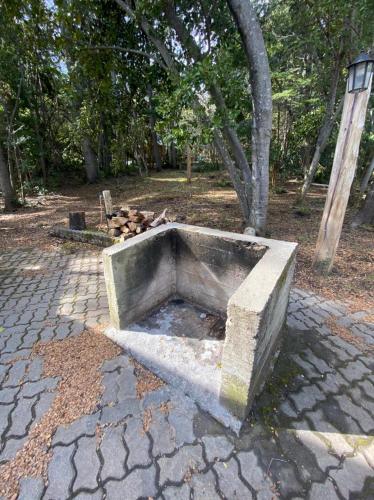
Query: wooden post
(189, 164)
(108, 203)
(342, 174)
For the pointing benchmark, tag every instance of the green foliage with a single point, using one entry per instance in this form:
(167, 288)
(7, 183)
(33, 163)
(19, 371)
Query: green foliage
(76, 70)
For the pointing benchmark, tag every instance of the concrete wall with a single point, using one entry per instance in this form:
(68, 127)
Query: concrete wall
(139, 275)
(256, 316)
(210, 268)
(245, 276)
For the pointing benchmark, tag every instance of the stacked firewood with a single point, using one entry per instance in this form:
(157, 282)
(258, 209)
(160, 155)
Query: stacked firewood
(126, 222)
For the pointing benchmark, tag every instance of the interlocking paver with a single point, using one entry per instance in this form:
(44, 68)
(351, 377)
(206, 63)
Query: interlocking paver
(311, 442)
(87, 464)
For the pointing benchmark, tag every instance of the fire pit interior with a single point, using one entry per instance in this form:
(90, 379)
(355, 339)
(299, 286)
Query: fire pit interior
(202, 308)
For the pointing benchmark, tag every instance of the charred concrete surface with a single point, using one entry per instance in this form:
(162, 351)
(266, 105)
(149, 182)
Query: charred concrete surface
(310, 434)
(241, 277)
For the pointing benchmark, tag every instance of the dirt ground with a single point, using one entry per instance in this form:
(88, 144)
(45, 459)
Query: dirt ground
(206, 202)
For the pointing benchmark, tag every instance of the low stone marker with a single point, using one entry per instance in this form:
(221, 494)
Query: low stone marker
(77, 221)
(241, 277)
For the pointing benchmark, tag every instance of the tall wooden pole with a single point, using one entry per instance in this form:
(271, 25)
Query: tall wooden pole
(342, 174)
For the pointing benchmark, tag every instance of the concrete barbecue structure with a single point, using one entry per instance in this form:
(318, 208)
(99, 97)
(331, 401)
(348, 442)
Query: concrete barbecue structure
(171, 289)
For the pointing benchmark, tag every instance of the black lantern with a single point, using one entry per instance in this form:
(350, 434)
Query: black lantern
(359, 72)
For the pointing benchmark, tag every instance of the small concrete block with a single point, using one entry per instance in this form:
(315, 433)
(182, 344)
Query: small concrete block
(138, 444)
(84, 426)
(113, 452)
(31, 488)
(177, 492)
(60, 473)
(183, 462)
(325, 491)
(140, 483)
(87, 464)
(217, 447)
(229, 482)
(204, 486)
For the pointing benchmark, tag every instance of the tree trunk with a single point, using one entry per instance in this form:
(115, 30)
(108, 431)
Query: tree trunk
(259, 73)
(152, 123)
(189, 164)
(230, 135)
(5, 184)
(367, 176)
(366, 214)
(90, 160)
(325, 130)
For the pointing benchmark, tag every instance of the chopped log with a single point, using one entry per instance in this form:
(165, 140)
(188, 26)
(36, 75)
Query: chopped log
(148, 215)
(139, 229)
(114, 232)
(159, 220)
(125, 237)
(77, 220)
(119, 221)
(108, 203)
(132, 226)
(125, 229)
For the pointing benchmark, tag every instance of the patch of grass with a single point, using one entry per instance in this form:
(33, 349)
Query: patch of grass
(302, 210)
(223, 183)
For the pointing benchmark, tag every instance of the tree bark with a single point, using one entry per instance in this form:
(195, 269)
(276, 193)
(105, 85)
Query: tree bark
(259, 74)
(5, 184)
(366, 214)
(230, 135)
(189, 163)
(90, 160)
(152, 123)
(367, 176)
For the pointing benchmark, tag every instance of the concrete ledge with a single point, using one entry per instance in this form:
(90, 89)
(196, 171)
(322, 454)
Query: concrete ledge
(85, 236)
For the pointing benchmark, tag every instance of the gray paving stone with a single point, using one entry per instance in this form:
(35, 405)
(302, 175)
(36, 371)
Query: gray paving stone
(126, 382)
(163, 434)
(354, 371)
(325, 491)
(174, 469)
(84, 426)
(120, 411)
(114, 453)
(140, 483)
(31, 488)
(229, 483)
(22, 417)
(255, 475)
(87, 464)
(16, 373)
(217, 447)
(35, 369)
(8, 394)
(30, 389)
(307, 397)
(204, 486)
(11, 447)
(181, 417)
(60, 473)
(138, 444)
(351, 477)
(178, 493)
(364, 419)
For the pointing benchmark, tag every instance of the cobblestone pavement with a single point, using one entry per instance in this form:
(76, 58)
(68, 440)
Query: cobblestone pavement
(310, 434)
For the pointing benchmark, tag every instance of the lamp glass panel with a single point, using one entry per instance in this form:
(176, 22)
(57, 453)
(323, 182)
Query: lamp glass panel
(360, 76)
(368, 74)
(351, 78)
